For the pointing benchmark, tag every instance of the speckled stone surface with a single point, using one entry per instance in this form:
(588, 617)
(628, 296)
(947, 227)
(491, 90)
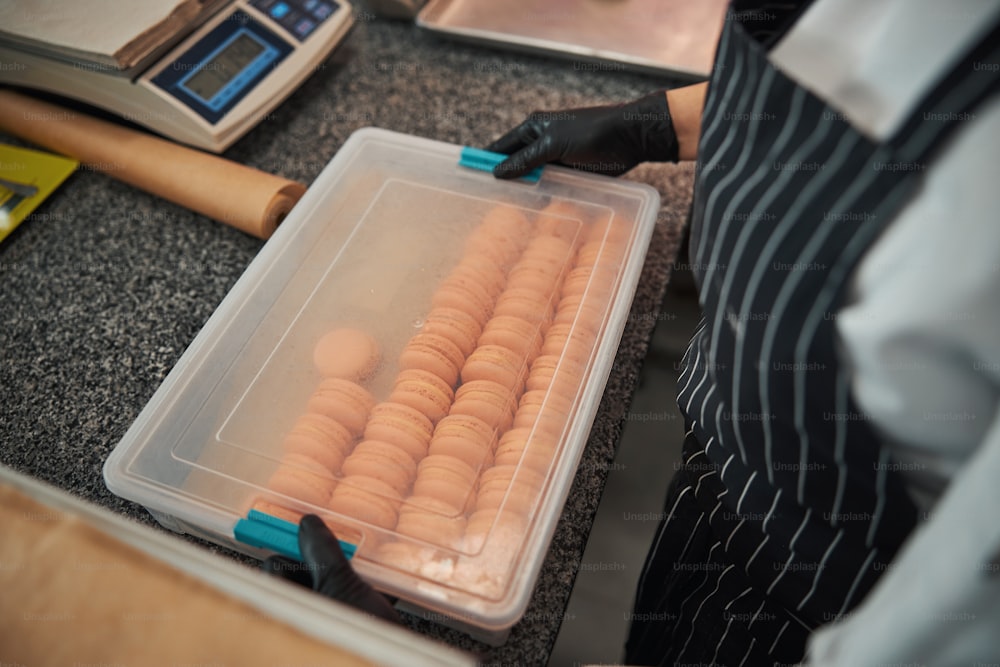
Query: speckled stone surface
(105, 286)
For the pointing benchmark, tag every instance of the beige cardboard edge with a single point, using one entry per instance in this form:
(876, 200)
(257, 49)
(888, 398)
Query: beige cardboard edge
(333, 624)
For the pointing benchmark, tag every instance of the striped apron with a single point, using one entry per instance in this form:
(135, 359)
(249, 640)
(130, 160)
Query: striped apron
(786, 507)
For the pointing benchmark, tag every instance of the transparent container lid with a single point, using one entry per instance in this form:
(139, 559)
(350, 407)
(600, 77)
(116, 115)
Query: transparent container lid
(416, 356)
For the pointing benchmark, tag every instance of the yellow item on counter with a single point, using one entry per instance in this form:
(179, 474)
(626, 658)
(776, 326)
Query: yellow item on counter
(27, 177)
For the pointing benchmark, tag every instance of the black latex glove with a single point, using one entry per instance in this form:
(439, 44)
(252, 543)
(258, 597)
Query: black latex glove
(328, 572)
(607, 139)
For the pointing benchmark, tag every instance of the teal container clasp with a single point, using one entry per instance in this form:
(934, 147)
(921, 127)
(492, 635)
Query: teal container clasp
(477, 158)
(269, 532)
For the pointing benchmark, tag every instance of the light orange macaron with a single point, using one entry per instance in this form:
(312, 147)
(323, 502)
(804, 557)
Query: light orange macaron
(489, 401)
(346, 353)
(366, 499)
(513, 488)
(501, 235)
(433, 353)
(527, 447)
(497, 364)
(592, 253)
(526, 303)
(486, 275)
(497, 533)
(474, 301)
(423, 391)
(583, 312)
(568, 342)
(400, 425)
(541, 419)
(446, 478)
(554, 403)
(514, 333)
(472, 284)
(319, 437)
(382, 461)
(302, 478)
(456, 325)
(551, 249)
(561, 219)
(577, 281)
(430, 519)
(464, 437)
(343, 401)
(545, 280)
(562, 376)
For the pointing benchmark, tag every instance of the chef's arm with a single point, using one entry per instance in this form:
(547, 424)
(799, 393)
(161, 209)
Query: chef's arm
(686, 105)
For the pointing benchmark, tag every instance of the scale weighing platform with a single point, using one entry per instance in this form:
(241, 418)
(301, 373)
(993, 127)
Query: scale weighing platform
(205, 83)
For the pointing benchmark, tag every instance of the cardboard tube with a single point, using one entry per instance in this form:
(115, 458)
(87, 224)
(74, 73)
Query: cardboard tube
(237, 195)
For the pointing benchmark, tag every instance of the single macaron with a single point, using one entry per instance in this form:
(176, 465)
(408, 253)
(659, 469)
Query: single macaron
(605, 230)
(447, 478)
(400, 425)
(464, 437)
(501, 235)
(474, 285)
(432, 520)
(514, 333)
(453, 294)
(456, 325)
(493, 532)
(540, 420)
(488, 401)
(569, 342)
(584, 313)
(560, 219)
(552, 249)
(330, 457)
(590, 253)
(382, 461)
(433, 353)
(543, 369)
(366, 499)
(486, 275)
(509, 487)
(302, 478)
(577, 281)
(526, 303)
(556, 404)
(423, 391)
(343, 401)
(497, 364)
(313, 428)
(346, 353)
(526, 447)
(541, 280)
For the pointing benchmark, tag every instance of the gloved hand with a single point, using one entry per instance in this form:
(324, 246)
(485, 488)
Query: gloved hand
(605, 139)
(328, 572)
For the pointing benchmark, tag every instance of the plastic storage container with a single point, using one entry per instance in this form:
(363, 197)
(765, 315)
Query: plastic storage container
(417, 356)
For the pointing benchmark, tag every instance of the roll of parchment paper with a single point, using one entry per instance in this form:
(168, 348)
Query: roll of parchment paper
(237, 195)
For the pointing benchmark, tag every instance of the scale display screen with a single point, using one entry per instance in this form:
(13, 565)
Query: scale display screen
(226, 71)
(218, 71)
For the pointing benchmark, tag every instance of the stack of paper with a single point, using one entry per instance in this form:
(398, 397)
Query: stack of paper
(110, 36)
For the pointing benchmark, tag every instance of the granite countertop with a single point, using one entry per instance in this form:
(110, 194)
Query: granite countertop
(104, 287)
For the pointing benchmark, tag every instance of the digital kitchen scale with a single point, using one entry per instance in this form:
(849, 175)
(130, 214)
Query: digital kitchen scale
(207, 83)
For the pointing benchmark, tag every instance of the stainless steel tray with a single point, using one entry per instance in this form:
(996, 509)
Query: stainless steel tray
(676, 37)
